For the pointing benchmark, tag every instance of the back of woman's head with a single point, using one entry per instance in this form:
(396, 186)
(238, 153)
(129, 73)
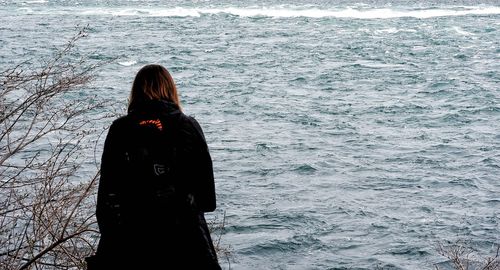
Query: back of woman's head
(153, 82)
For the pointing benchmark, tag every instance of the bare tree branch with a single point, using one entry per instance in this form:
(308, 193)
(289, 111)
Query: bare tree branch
(47, 129)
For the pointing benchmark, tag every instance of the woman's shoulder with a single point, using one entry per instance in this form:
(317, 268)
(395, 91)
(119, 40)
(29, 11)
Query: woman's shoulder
(121, 122)
(190, 120)
(189, 124)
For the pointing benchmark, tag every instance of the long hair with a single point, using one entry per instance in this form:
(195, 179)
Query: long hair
(153, 82)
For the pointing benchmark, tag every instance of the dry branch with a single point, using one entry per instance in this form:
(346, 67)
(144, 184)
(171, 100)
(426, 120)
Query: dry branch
(462, 257)
(47, 124)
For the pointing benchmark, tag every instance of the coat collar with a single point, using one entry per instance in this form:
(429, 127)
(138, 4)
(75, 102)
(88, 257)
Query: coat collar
(157, 107)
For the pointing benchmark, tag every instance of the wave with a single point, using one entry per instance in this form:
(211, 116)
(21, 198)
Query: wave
(461, 31)
(36, 2)
(127, 63)
(381, 13)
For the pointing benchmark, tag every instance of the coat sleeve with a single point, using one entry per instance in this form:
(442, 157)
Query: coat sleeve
(201, 171)
(108, 205)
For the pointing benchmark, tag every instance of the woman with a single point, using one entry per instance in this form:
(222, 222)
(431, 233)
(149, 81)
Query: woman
(156, 183)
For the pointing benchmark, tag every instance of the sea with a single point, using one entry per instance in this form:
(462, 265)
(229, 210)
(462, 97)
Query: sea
(344, 134)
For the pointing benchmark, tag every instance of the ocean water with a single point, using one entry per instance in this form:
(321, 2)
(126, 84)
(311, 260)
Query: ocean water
(344, 134)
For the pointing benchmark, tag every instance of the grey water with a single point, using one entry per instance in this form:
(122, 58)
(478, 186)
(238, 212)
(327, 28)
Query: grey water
(344, 134)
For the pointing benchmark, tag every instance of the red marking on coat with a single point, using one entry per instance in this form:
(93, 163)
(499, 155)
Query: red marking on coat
(156, 123)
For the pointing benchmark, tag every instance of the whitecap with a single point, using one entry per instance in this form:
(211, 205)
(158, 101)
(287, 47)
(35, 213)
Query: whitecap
(143, 12)
(373, 64)
(394, 31)
(287, 12)
(128, 63)
(387, 31)
(461, 31)
(176, 12)
(116, 12)
(383, 13)
(26, 10)
(36, 2)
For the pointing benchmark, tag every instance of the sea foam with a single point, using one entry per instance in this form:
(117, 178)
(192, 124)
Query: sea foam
(127, 63)
(279, 12)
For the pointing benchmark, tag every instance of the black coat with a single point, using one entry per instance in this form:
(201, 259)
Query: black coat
(140, 225)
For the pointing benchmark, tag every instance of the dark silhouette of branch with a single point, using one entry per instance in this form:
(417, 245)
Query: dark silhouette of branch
(47, 126)
(50, 248)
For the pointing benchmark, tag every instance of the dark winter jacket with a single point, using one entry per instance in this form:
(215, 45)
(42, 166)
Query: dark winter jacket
(151, 215)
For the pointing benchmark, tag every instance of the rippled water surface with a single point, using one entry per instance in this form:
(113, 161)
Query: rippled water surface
(345, 135)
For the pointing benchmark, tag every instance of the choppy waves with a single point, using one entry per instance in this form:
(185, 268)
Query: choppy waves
(280, 12)
(337, 143)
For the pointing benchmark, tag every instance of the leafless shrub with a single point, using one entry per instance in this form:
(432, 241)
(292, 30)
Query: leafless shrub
(463, 257)
(47, 130)
(217, 228)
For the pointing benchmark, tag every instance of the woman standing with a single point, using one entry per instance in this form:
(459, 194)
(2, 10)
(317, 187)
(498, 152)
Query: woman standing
(156, 183)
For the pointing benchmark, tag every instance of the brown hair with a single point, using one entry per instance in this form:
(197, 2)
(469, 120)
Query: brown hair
(153, 82)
